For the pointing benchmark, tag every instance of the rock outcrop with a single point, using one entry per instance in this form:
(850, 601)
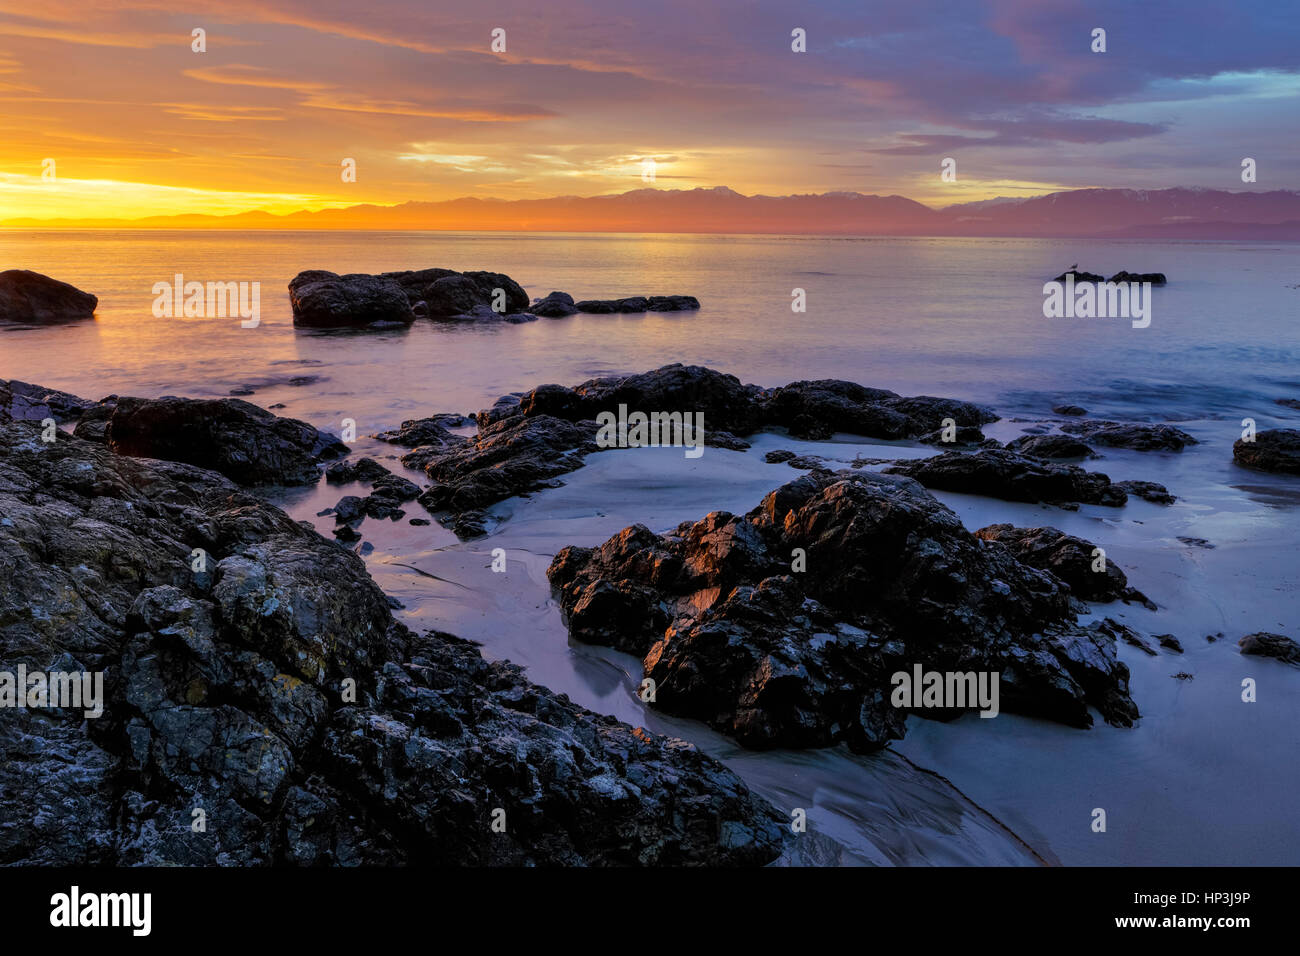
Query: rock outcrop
(1275, 449)
(527, 439)
(1132, 435)
(1264, 644)
(272, 690)
(29, 298)
(247, 444)
(998, 473)
(783, 626)
(1090, 574)
(324, 300)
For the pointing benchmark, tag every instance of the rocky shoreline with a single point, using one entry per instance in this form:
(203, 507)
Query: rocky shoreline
(255, 672)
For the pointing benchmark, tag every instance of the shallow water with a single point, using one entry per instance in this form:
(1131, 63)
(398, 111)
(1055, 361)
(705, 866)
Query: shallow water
(1202, 778)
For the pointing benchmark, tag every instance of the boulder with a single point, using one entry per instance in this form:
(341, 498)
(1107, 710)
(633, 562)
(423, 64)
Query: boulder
(1155, 278)
(1275, 449)
(777, 656)
(323, 300)
(247, 444)
(1132, 435)
(1050, 446)
(29, 298)
(1264, 644)
(998, 473)
(1069, 558)
(555, 306)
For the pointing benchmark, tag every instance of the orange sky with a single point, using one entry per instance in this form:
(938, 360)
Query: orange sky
(113, 100)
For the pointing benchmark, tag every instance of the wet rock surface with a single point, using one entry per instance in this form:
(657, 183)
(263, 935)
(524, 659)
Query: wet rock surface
(324, 300)
(247, 444)
(1148, 490)
(734, 633)
(998, 473)
(229, 690)
(1091, 577)
(23, 401)
(29, 298)
(1264, 644)
(1133, 435)
(1275, 449)
(1051, 446)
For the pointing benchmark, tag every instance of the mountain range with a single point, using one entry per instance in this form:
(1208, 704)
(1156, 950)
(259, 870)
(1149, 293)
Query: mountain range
(1177, 213)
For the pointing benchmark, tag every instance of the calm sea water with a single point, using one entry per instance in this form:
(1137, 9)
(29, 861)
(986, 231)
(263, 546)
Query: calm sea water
(1202, 779)
(959, 317)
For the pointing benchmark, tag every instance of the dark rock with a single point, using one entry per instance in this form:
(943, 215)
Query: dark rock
(639, 303)
(363, 469)
(346, 533)
(349, 508)
(1264, 644)
(241, 390)
(420, 522)
(1073, 410)
(1155, 278)
(24, 402)
(1004, 474)
(225, 691)
(323, 300)
(427, 431)
(1288, 402)
(1050, 446)
(30, 298)
(778, 456)
(721, 439)
(1275, 449)
(965, 436)
(241, 441)
(1132, 637)
(1080, 276)
(1149, 490)
(511, 457)
(1196, 542)
(554, 306)
(1133, 435)
(807, 462)
(470, 524)
(779, 659)
(815, 409)
(1068, 558)
(1170, 642)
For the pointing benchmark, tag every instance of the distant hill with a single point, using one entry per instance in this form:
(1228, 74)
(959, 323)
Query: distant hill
(1160, 213)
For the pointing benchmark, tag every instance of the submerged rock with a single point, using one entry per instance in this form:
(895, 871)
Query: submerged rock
(1091, 577)
(1072, 410)
(998, 473)
(275, 692)
(241, 441)
(779, 654)
(1275, 449)
(324, 300)
(1133, 435)
(30, 298)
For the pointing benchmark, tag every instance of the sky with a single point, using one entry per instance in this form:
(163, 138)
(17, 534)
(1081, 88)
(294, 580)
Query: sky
(112, 99)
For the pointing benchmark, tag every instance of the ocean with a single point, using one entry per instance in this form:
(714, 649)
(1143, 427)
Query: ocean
(1203, 778)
